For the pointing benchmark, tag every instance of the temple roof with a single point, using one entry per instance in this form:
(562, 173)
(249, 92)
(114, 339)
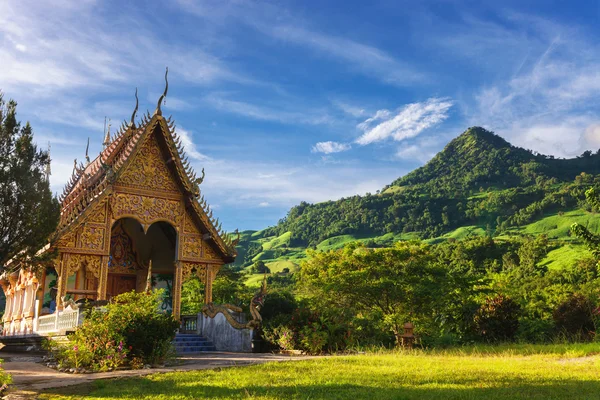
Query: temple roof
(91, 181)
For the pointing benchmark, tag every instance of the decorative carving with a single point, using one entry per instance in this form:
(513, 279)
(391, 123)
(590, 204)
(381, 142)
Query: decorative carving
(92, 238)
(69, 240)
(211, 310)
(75, 261)
(147, 209)
(192, 247)
(210, 254)
(189, 226)
(148, 169)
(99, 214)
(189, 269)
(123, 258)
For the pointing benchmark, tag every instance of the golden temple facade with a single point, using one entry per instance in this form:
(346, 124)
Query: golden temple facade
(131, 219)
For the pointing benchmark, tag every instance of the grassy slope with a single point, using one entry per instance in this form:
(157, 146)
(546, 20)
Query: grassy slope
(498, 373)
(554, 225)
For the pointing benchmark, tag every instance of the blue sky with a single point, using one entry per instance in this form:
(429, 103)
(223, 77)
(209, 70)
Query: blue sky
(284, 101)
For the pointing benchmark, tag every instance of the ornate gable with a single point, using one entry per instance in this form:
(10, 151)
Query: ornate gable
(143, 173)
(148, 169)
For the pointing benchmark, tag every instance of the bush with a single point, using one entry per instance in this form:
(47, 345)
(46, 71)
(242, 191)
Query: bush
(497, 319)
(574, 317)
(5, 378)
(535, 330)
(130, 327)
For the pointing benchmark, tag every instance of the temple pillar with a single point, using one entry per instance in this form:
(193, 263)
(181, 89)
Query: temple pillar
(103, 278)
(208, 285)
(177, 283)
(61, 286)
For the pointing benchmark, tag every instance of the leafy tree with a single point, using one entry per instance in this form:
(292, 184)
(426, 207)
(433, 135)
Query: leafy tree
(260, 268)
(400, 284)
(590, 239)
(28, 211)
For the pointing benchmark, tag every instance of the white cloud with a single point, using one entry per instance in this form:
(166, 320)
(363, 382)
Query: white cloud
(550, 103)
(408, 122)
(189, 146)
(264, 204)
(330, 147)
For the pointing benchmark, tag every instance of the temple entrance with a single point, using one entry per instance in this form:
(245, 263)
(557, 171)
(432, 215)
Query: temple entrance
(142, 260)
(118, 284)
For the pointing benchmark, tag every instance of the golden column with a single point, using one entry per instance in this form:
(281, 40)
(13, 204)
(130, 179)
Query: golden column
(208, 285)
(103, 278)
(61, 286)
(177, 282)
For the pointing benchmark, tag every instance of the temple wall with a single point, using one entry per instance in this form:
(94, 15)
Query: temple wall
(223, 335)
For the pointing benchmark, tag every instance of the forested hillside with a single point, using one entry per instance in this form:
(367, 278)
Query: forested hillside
(478, 185)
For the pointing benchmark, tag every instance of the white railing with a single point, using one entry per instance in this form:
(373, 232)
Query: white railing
(67, 320)
(46, 323)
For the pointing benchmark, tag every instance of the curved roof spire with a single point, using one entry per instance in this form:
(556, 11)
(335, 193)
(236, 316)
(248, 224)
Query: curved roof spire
(162, 97)
(107, 134)
(132, 122)
(87, 152)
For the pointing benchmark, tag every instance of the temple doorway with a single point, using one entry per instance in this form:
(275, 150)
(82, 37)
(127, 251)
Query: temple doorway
(142, 259)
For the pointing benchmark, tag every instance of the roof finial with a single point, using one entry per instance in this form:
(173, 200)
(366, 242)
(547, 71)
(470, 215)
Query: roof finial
(162, 97)
(107, 137)
(87, 152)
(132, 123)
(48, 172)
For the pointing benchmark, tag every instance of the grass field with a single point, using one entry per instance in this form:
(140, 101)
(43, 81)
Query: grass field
(505, 372)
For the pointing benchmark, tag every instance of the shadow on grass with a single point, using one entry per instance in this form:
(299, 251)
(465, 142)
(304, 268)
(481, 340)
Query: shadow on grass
(144, 388)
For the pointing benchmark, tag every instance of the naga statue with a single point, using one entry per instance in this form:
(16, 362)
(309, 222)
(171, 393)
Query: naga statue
(211, 309)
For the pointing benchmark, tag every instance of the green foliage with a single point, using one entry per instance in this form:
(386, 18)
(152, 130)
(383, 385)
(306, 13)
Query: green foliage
(497, 319)
(192, 296)
(130, 326)
(29, 211)
(399, 284)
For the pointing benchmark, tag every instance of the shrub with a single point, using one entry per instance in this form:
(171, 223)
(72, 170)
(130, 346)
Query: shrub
(535, 330)
(130, 326)
(5, 378)
(574, 317)
(497, 319)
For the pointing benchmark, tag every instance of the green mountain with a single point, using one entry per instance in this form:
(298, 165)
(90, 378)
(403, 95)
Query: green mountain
(479, 184)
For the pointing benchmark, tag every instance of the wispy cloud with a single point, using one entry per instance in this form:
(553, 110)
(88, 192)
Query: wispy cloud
(330, 147)
(551, 100)
(268, 113)
(275, 22)
(407, 122)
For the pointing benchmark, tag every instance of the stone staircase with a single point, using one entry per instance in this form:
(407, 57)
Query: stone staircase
(189, 343)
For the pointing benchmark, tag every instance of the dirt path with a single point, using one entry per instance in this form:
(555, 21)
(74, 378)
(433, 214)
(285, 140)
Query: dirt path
(31, 378)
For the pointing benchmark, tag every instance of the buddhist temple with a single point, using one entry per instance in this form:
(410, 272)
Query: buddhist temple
(133, 218)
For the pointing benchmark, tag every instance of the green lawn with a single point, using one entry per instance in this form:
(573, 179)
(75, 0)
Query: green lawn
(526, 372)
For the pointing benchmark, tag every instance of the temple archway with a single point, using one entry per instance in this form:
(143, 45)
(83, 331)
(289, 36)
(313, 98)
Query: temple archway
(134, 250)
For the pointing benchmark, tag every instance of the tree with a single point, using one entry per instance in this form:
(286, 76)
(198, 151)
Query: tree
(260, 268)
(28, 211)
(591, 240)
(401, 284)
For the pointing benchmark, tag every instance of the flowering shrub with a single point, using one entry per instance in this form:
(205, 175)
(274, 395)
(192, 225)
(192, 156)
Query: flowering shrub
(129, 328)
